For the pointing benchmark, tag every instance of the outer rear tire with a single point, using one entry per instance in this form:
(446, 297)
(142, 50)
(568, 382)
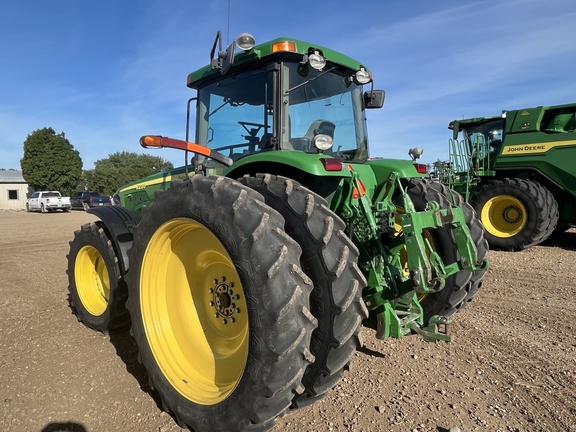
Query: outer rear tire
(516, 213)
(97, 293)
(329, 259)
(219, 306)
(461, 287)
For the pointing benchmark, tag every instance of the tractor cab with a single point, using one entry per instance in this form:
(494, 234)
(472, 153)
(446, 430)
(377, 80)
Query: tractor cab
(284, 95)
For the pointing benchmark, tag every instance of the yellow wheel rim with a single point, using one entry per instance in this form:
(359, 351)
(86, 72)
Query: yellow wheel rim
(403, 255)
(92, 280)
(194, 311)
(503, 216)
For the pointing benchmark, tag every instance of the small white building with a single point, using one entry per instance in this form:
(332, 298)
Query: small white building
(13, 190)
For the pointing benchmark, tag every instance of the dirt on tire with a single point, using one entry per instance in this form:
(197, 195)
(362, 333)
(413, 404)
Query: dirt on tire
(511, 366)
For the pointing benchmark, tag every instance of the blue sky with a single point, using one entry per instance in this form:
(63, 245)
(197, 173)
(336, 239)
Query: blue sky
(107, 72)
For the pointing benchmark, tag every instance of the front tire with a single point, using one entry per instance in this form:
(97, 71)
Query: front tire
(219, 306)
(97, 293)
(516, 213)
(329, 259)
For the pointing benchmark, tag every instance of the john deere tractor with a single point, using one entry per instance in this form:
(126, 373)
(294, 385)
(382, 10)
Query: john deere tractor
(517, 171)
(247, 273)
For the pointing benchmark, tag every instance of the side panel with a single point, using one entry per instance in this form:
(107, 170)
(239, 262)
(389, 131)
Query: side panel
(140, 193)
(552, 154)
(383, 167)
(305, 162)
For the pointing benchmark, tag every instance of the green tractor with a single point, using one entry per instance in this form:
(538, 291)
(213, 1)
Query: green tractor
(517, 171)
(247, 273)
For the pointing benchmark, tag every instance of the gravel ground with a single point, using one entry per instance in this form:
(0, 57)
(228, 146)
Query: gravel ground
(511, 366)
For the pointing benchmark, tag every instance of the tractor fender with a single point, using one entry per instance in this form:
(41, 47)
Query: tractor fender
(119, 222)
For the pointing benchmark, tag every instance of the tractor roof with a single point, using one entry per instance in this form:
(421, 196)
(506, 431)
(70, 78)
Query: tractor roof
(280, 48)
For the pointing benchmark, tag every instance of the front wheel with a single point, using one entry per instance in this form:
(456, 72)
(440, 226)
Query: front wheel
(219, 305)
(97, 293)
(516, 213)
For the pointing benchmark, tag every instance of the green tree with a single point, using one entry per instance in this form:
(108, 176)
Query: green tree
(121, 168)
(50, 162)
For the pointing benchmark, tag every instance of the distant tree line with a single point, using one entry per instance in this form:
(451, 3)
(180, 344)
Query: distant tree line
(50, 162)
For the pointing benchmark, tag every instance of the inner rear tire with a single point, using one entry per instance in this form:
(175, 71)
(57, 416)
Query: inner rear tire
(219, 306)
(461, 287)
(329, 259)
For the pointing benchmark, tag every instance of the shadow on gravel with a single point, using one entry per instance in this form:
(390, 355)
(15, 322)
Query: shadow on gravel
(126, 349)
(64, 427)
(565, 240)
(371, 352)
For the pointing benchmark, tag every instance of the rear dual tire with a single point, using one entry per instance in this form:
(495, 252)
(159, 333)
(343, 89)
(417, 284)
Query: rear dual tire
(219, 305)
(329, 259)
(461, 287)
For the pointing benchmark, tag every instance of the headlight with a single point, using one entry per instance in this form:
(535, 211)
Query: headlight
(245, 41)
(316, 61)
(323, 142)
(362, 76)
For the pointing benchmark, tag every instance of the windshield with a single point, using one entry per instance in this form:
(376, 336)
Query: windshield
(323, 102)
(485, 135)
(235, 114)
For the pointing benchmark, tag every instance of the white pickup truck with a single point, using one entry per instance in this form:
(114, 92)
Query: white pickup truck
(48, 201)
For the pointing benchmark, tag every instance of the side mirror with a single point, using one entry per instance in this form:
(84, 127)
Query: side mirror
(455, 126)
(374, 99)
(228, 58)
(224, 58)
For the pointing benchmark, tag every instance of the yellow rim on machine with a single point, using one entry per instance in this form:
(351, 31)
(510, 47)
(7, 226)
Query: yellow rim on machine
(403, 257)
(92, 280)
(503, 216)
(194, 311)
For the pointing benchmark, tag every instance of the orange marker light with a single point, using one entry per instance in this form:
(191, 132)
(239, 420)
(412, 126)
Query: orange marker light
(283, 46)
(151, 141)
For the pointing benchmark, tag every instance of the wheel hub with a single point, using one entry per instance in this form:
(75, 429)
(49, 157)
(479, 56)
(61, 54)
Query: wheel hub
(512, 214)
(224, 300)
